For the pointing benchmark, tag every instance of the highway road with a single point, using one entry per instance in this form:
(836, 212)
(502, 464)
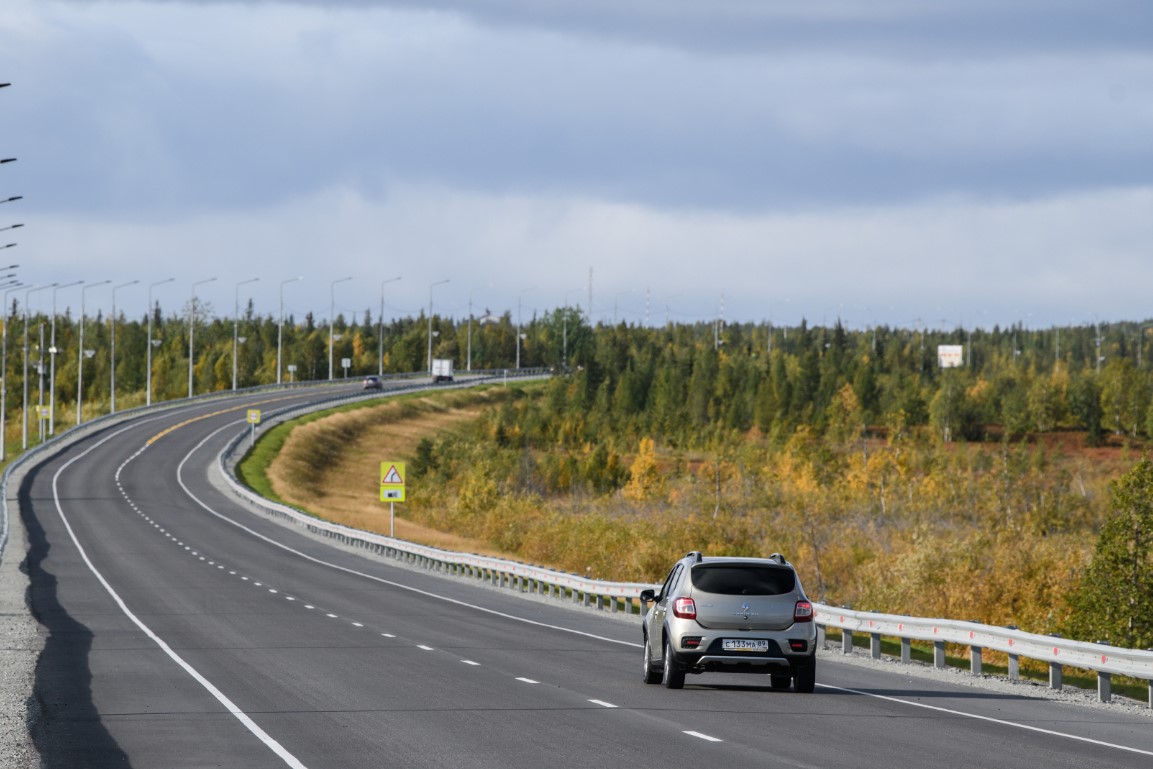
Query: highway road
(183, 630)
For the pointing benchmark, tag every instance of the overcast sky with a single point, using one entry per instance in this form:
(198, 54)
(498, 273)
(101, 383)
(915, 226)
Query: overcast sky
(957, 162)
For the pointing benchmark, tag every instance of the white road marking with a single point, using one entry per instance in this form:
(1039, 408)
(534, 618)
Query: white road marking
(470, 662)
(426, 648)
(991, 720)
(602, 703)
(263, 736)
(528, 681)
(331, 616)
(357, 624)
(372, 577)
(704, 737)
(388, 635)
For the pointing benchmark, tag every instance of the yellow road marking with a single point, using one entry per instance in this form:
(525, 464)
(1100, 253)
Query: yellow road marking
(234, 409)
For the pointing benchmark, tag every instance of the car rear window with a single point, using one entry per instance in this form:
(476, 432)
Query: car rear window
(740, 579)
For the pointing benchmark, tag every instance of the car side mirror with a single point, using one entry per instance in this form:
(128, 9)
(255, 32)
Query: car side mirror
(648, 595)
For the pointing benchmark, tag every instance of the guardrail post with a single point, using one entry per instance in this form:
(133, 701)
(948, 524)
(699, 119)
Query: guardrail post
(846, 641)
(906, 650)
(820, 636)
(1014, 667)
(939, 654)
(1055, 675)
(613, 601)
(1104, 686)
(875, 645)
(975, 660)
(588, 599)
(600, 603)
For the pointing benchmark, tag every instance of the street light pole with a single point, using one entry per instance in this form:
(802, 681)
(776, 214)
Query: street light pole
(332, 319)
(236, 326)
(4, 378)
(27, 294)
(80, 355)
(280, 324)
(52, 361)
(430, 288)
(148, 375)
(380, 353)
(112, 348)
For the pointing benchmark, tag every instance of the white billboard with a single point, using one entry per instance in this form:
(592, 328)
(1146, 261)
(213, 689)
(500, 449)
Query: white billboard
(950, 355)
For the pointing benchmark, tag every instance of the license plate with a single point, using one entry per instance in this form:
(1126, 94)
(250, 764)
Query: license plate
(745, 645)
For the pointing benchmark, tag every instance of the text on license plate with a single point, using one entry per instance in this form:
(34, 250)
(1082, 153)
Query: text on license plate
(745, 645)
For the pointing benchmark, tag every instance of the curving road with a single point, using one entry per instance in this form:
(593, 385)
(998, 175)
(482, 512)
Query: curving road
(183, 630)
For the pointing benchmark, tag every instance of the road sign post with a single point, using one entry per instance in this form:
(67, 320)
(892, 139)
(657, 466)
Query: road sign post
(392, 490)
(253, 418)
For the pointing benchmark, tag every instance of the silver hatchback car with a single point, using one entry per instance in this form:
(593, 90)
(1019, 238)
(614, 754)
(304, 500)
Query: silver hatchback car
(740, 615)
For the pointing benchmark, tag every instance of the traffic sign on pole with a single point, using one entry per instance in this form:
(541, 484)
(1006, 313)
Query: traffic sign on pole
(392, 481)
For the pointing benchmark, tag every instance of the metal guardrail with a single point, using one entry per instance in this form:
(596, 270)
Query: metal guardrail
(74, 433)
(1056, 652)
(526, 578)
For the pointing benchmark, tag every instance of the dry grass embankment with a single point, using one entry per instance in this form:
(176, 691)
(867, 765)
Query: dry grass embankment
(331, 467)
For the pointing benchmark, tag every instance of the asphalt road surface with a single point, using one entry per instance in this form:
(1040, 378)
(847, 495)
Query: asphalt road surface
(184, 630)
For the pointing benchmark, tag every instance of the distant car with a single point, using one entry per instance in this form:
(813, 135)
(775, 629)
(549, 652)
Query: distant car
(740, 615)
(372, 383)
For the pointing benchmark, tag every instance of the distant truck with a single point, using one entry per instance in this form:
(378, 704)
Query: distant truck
(441, 370)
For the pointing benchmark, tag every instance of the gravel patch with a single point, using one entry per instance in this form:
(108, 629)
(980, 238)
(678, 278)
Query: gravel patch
(1071, 695)
(20, 645)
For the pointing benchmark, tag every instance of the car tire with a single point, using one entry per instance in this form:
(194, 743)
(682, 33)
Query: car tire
(672, 677)
(652, 675)
(780, 682)
(805, 677)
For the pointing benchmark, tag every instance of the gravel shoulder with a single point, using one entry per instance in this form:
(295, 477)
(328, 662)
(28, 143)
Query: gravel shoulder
(20, 644)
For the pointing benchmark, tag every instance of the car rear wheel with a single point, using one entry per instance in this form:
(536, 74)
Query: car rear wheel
(652, 675)
(805, 677)
(673, 677)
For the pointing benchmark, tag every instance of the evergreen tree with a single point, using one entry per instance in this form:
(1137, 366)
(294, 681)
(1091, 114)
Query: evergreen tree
(1115, 599)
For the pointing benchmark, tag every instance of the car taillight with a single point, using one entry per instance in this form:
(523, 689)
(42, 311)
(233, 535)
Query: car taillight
(803, 612)
(685, 608)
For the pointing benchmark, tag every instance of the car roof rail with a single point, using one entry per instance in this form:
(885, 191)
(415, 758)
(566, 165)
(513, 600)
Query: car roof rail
(778, 558)
(696, 556)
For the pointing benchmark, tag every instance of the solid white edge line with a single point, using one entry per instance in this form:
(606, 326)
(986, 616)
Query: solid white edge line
(990, 719)
(602, 703)
(240, 716)
(705, 737)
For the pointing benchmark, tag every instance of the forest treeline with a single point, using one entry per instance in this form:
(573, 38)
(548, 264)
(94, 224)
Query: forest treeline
(673, 380)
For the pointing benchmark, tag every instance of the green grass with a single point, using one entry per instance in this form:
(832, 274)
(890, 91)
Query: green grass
(1032, 670)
